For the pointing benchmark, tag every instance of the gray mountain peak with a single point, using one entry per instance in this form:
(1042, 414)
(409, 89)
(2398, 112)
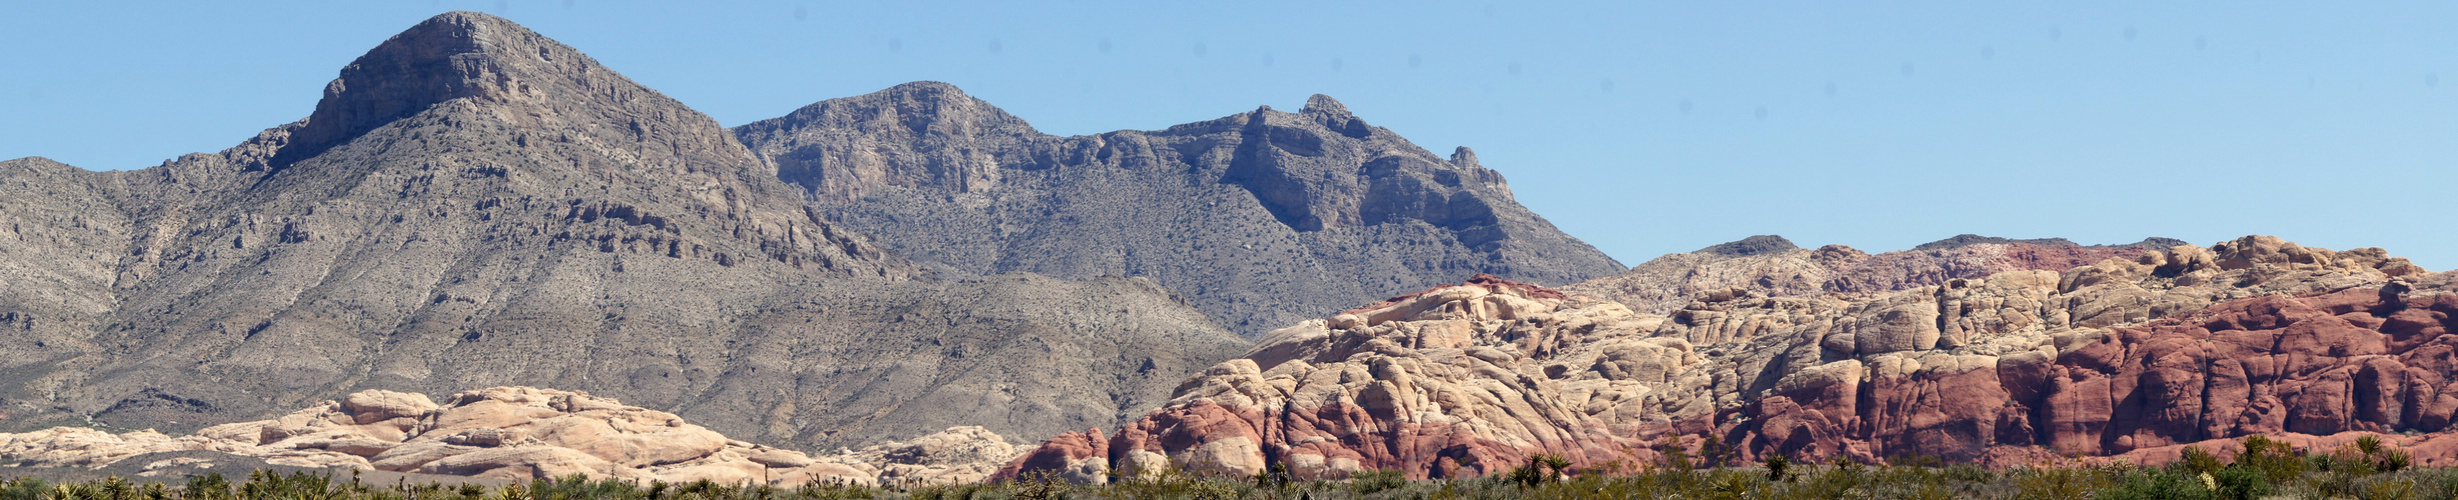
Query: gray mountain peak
(1261, 218)
(1324, 104)
(472, 204)
(1754, 245)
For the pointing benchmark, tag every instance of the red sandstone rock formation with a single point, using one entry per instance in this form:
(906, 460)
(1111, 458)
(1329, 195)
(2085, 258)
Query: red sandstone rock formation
(2127, 356)
(1448, 382)
(2360, 359)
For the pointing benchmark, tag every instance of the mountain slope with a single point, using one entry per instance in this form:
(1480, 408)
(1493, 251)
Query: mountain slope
(61, 238)
(472, 204)
(1260, 219)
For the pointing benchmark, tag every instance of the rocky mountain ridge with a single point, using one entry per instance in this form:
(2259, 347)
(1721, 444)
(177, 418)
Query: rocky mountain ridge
(1260, 218)
(472, 204)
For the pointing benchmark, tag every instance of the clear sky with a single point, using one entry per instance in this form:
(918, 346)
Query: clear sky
(1643, 128)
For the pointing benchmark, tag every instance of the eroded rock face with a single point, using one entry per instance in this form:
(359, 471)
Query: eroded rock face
(525, 433)
(2181, 345)
(1458, 380)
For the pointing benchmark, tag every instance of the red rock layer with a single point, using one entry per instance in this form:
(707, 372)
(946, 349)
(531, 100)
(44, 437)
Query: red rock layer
(2361, 359)
(2124, 357)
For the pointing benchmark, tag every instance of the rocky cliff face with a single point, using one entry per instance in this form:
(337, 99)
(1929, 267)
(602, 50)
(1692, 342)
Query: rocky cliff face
(1260, 219)
(1772, 265)
(2179, 345)
(471, 205)
(524, 433)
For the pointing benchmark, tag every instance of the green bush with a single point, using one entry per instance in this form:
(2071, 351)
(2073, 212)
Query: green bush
(2200, 461)
(2276, 460)
(25, 488)
(2241, 483)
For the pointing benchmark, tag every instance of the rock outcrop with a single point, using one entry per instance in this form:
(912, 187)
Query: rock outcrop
(1772, 265)
(1260, 219)
(2180, 345)
(1459, 380)
(472, 204)
(525, 433)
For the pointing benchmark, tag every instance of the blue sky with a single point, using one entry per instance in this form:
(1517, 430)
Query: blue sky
(1643, 128)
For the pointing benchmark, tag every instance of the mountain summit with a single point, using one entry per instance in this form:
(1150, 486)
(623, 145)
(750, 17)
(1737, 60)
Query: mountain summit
(1260, 219)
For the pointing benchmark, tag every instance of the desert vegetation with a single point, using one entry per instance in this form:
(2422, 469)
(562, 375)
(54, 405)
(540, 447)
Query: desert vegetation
(2257, 468)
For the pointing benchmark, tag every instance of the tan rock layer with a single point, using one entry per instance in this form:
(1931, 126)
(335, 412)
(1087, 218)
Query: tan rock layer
(1667, 283)
(526, 433)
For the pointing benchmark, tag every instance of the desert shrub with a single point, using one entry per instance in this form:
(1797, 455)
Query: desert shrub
(579, 486)
(1367, 483)
(1275, 476)
(25, 488)
(2240, 483)
(949, 492)
(2387, 488)
(1541, 468)
(1171, 483)
(1036, 485)
(1541, 477)
(2276, 460)
(1714, 452)
(2157, 483)
(1672, 454)
(1914, 460)
(2056, 483)
(1967, 473)
(2199, 461)
(1779, 468)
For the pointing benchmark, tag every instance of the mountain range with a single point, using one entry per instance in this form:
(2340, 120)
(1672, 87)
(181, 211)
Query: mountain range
(1260, 219)
(473, 209)
(471, 204)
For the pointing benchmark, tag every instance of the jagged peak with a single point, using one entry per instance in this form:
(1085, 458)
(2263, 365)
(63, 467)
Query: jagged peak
(1324, 104)
(454, 55)
(1754, 245)
(1464, 158)
(1328, 112)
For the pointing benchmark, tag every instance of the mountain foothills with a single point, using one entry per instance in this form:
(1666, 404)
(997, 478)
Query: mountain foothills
(914, 277)
(1261, 219)
(473, 205)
